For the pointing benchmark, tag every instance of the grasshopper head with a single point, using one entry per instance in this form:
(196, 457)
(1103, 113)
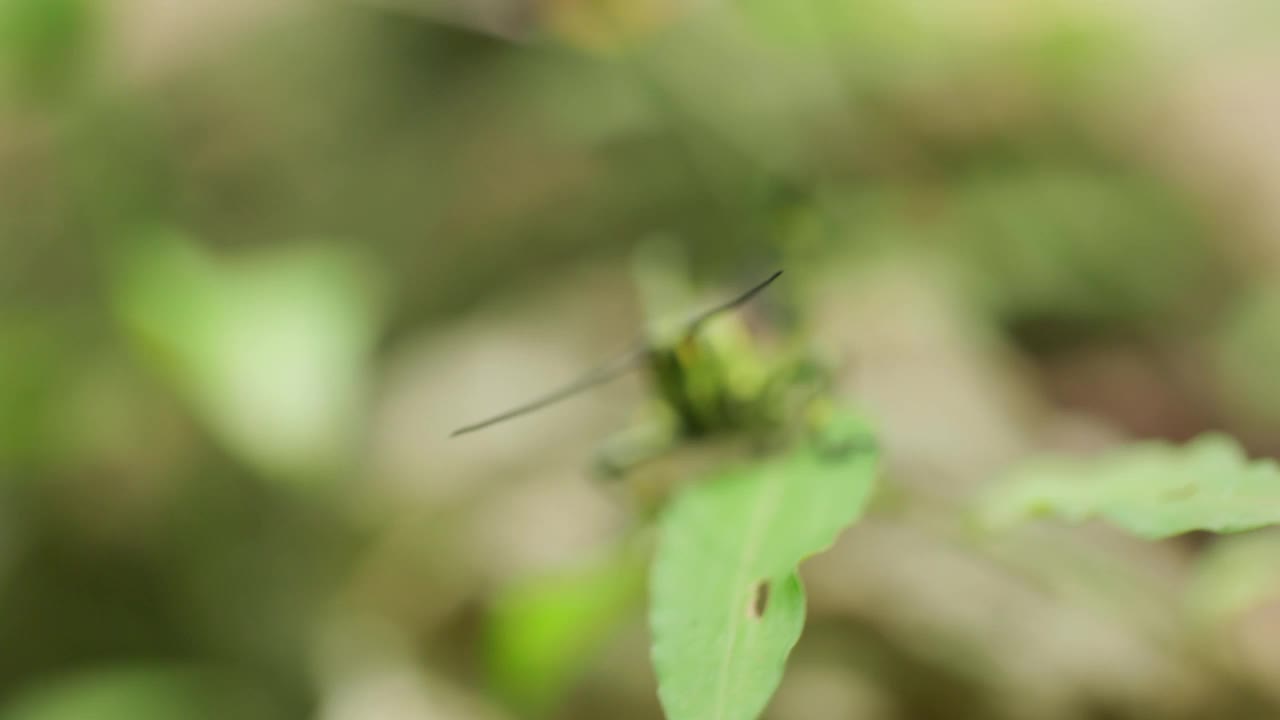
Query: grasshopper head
(712, 377)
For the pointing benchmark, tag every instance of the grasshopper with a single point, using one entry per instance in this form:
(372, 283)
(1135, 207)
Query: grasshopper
(713, 380)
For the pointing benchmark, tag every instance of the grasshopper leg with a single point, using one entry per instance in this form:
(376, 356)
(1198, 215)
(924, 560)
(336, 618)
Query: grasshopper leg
(632, 447)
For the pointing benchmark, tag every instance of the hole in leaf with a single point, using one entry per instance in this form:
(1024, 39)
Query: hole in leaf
(759, 600)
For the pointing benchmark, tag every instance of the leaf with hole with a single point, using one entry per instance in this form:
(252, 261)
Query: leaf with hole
(727, 604)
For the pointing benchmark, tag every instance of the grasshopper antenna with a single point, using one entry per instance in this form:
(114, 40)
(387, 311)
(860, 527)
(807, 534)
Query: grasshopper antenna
(742, 299)
(599, 376)
(611, 371)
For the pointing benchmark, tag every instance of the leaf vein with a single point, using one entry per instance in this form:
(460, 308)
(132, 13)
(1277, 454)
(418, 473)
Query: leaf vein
(750, 551)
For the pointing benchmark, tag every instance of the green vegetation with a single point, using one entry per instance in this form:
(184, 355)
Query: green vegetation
(727, 604)
(999, 444)
(1151, 490)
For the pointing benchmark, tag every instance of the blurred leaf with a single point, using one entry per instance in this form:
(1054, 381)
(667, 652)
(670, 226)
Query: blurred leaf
(131, 694)
(1077, 45)
(542, 634)
(270, 349)
(727, 605)
(1154, 490)
(1236, 574)
(41, 42)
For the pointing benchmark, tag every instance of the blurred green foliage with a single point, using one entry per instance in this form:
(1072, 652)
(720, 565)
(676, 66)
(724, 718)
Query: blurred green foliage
(278, 341)
(542, 635)
(1151, 489)
(44, 45)
(135, 693)
(257, 259)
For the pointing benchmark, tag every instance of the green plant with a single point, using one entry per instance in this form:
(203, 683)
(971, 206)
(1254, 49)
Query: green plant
(726, 604)
(1154, 490)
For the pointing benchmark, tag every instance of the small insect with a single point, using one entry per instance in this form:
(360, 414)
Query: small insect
(710, 377)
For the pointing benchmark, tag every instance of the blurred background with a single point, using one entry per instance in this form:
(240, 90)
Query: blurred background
(257, 259)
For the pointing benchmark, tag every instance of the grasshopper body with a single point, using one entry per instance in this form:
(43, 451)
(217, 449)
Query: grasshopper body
(715, 380)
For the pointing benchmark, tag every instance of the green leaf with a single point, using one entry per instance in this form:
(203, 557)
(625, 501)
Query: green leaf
(726, 603)
(1153, 490)
(136, 693)
(542, 634)
(269, 348)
